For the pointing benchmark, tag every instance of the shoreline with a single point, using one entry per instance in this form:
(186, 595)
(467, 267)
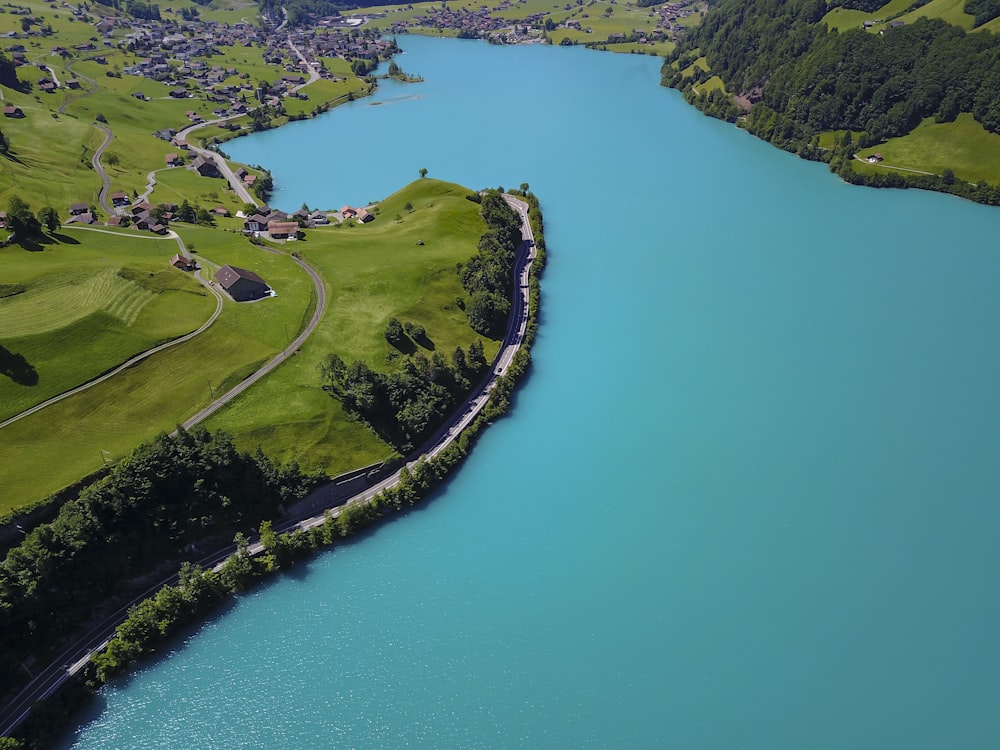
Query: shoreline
(424, 469)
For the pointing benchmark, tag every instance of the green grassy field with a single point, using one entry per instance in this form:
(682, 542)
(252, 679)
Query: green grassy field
(950, 11)
(288, 414)
(165, 389)
(115, 293)
(963, 146)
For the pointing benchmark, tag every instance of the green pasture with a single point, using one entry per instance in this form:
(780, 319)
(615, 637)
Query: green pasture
(950, 11)
(963, 146)
(86, 302)
(374, 272)
(175, 184)
(165, 389)
(49, 160)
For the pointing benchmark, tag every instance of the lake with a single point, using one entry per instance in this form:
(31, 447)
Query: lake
(746, 498)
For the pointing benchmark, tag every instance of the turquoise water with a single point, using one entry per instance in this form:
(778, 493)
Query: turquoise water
(747, 497)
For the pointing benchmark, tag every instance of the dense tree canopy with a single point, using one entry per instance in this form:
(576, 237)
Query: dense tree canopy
(163, 499)
(803, 78)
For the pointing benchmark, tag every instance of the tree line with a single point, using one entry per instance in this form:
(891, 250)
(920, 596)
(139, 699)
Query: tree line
(404, 407)
(488, 276)
(159, 503)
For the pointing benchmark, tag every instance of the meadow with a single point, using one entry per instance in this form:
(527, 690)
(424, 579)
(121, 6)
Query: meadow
(86, 302)
(111, 418)
(374, 271)
(963, 146)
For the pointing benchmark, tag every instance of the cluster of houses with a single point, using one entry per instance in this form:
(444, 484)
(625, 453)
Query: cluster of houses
(277, 225)
(361, 214)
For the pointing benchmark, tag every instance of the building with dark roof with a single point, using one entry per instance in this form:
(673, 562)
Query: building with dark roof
(240, 284)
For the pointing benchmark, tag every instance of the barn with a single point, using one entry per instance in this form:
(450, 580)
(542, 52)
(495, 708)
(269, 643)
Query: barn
(240, 284)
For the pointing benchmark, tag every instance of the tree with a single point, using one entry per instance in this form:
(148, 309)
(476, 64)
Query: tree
(49, 218)
(408, 206)
(111, 159)
(394, 332)
(20, 219)
(187, 212)
(423, 172)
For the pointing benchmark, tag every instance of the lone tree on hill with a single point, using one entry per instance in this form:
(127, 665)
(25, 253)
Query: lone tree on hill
(423, 172)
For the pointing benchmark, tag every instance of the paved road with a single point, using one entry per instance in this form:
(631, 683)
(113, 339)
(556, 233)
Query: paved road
(102, 195)
(313, 73)
(95, 160)
(234, 182)
(288, 351)
(75, 656)
(143, 355)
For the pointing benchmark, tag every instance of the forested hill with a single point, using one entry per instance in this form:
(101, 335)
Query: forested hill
(798, 78)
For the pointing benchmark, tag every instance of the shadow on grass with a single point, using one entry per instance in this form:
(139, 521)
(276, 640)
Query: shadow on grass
(17, 368)
(65, 239)
(426, 342)
(405, 345)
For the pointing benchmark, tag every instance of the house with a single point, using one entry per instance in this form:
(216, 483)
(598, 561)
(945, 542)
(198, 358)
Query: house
(255, 223)
(348, 213)
(12, 111)
(82, 218)
(117, 221)
(249, 179)
(178, 94)
(282, 230)
(183, 263)
(319, 217)
(171, 160)
(875, 158)
(118, 199)
(220, 211)
(364, 216)
(75, 209)
(205, 167)
(72, 83)
(240, 284)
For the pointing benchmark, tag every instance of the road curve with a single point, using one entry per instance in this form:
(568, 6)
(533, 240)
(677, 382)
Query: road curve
(73, 658)
(234, 182)
(285, 354)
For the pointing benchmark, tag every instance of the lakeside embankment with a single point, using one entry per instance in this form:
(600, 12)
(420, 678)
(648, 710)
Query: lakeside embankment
(298, 536)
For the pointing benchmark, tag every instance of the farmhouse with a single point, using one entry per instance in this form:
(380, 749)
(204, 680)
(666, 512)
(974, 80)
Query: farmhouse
(282, 230)
(12, 111)
(242, 285)
(183, 263)
(75, 209)
(364, 216)
(205, 167)
(119, 199)
(875, 158)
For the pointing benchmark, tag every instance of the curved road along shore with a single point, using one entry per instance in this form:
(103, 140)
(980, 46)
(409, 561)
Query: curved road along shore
(75, 656)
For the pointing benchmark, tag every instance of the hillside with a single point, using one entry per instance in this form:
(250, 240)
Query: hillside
(828, 83)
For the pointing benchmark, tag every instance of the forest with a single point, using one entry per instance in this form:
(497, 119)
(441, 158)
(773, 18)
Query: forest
(160, 504)
(799, 78)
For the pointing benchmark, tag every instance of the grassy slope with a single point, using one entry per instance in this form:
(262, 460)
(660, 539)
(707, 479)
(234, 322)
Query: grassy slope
(963, 146)
(288, 414)
(163, 391)
(48, 321)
